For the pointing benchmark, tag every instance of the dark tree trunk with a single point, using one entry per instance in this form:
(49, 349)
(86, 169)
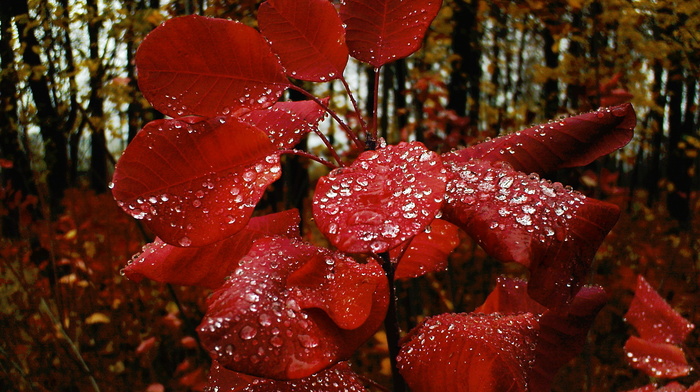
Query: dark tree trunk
(576, 90)
(464, 87)
(18, 177)
(51, 126)
(550, 90)
(657, 126)
(679, 163)
(400, 71)
(98, 141)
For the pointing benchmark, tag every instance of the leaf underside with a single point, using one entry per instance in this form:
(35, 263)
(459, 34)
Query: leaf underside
(286, 123)
(428, 251)
(208, 266)
(469, 353)
(654, 319)
(339, 378)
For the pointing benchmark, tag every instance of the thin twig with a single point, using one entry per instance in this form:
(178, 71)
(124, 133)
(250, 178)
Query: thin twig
(45, 308)
(309, 156)
(350, 134)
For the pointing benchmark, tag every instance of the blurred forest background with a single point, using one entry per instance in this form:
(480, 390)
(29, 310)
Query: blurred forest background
(69, 104)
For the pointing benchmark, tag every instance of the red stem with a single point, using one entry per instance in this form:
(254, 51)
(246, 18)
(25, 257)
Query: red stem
(308, 155)
(350, 134)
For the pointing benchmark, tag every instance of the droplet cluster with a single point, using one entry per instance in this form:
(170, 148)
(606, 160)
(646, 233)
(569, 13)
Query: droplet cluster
(208, 208)
(517, 201)
(257, 324)
(384, 198)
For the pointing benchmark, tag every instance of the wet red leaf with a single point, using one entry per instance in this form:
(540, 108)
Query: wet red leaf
(561, 336)
(308, 37)
(510, 296)
(339, 378)
(428, 251)
(202, 184)
(383, 199)
(653, 317)
(274, 317)
(286, 123)
(193, 65)
(661, 360)
(551, 230)
(208, 266)
(469, 352)
(381, 31)
(570, 142)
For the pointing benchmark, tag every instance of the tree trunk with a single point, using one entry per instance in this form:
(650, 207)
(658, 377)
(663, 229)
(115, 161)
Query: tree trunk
(95, 109)
(657, 128)
(51, 127)
(679, 163)
(464, 87)
(550, 90)
(16, 180)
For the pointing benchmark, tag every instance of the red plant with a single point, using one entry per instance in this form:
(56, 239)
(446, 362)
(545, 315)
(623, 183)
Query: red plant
(286, 312)
(662, 330)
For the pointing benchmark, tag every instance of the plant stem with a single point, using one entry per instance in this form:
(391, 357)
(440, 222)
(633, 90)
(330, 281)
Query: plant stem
(309, 156)
(350, 134)
(46, 310)
(373, 126)
(391, 325)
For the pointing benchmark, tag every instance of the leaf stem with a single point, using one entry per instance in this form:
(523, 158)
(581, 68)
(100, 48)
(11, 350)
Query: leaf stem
(348, 91)
(391, 324)
(373, 126)
(350, 134)
(309, 156)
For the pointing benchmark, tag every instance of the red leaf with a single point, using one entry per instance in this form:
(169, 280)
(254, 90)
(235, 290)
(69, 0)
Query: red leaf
(270, 320)
(339, 378)
(561, 336)
(381, 31)
(286, 123)
(654, 318)
(553, 231)
(427, 251)
(571, 142)
(208, 266)
(660, 360)
(646, 388)
(195, 184)
(308, 37)
(209, 67)
(384, 198)
(347, 298)
(510, 296)
(469, 353)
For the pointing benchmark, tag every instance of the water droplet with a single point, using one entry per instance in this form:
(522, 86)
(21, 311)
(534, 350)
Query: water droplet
(185, 241)
(248, 332)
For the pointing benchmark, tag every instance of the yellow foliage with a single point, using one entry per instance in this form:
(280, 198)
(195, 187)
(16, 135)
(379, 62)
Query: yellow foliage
(97, 318)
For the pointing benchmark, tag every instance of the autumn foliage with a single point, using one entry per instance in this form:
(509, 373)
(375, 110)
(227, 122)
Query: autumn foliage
(284, 308)
(289, 308)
